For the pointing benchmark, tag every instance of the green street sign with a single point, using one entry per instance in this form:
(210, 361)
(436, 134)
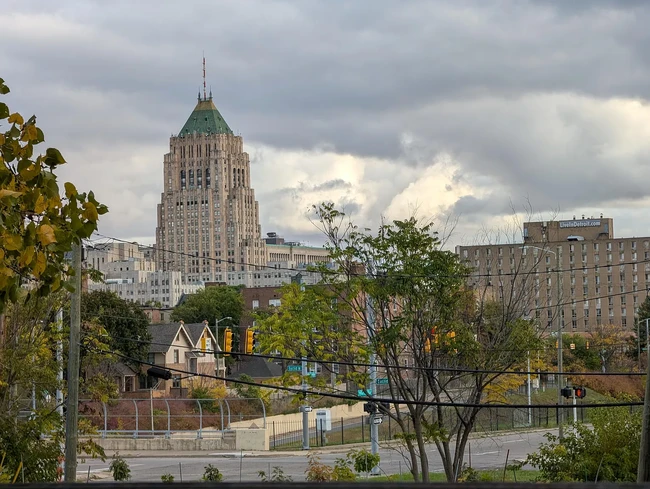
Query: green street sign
(362, 393)
(382, 381)
(294, 368)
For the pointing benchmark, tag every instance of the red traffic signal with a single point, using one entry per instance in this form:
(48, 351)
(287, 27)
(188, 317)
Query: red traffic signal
(580, 392)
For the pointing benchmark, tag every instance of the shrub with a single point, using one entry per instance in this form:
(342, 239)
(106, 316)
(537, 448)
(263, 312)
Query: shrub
(167, 478)
(316, 470)
(277, 475)
(342, 470)
(609, 451)
(363, 460)
(120, 468)
(212, 474)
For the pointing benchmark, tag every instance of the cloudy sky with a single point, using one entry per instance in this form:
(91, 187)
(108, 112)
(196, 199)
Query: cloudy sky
(448, 108)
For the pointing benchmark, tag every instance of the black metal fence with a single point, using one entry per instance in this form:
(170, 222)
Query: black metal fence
(288, 434)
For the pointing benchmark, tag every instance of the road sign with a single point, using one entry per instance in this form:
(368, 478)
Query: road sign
(361, 393)
(377, 420)
(294, 368)
(382, 381)
(312, 374)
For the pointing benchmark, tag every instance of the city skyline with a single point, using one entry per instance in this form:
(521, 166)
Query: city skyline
(450, 108)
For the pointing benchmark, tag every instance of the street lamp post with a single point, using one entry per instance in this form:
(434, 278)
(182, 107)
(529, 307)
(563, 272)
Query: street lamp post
(216, 335)
(560, 398)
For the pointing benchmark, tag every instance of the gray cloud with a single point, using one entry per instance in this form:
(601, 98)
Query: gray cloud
(516, 92)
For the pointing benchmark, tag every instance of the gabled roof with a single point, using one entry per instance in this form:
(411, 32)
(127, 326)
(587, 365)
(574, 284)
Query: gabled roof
(205, 119)
(163, 335)
(195, 331)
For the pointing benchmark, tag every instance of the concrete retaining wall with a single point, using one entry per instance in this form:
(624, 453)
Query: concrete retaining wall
(249, 439)
(342, 411)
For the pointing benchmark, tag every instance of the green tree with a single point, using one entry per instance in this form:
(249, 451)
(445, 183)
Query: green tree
(607, 452)
(124, 321)
(38, 226)
(398, 294)
(640, 342)
(211, 304)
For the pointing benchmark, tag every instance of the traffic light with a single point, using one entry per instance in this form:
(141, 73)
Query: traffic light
(587, 345)
(370, 407)
(580, 392)
(159, 373)
(572, 346)
(567, 392)
(227, 342)
(250, 341)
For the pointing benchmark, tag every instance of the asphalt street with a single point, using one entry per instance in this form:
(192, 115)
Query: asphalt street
(486, 453)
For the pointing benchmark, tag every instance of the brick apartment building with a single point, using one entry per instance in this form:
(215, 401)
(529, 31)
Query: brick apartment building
(574, 271)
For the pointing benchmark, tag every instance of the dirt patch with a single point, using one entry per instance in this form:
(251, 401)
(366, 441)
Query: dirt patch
(614, 386)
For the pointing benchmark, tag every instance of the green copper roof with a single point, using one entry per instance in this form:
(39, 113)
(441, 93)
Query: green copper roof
(205, 119)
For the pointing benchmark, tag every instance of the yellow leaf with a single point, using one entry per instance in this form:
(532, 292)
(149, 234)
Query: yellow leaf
(30, 133)
(90, 212)
(4, 193)
(40, 265)
(17, 118)
(46, 234)
(2, 138)
(2, 254)
(40, 205)
(13, 242)
(26, 256)
(70, 190)
(30, 172)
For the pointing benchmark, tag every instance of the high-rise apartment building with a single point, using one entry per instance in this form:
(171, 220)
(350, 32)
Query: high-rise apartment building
(208, 218)
(575, 272)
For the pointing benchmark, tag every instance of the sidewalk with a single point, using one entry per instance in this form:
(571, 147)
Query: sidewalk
(296, 453)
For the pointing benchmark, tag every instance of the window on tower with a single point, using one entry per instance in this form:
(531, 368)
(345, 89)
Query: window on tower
(191, 178)
(207, 176)
(182, 179)
(198, 178)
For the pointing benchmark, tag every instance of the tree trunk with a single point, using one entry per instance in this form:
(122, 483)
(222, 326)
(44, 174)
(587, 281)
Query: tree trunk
(424, 460)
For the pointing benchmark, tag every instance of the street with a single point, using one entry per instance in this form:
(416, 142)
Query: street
(486, 453)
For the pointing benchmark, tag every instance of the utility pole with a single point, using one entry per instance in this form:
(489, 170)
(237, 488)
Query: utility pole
(374, 417)
(560, 397)
(530, 411)
(71, 421)
(305, 412)
(59, 364)
(643, 472)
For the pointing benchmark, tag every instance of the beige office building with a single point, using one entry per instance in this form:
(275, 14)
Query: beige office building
(573, 271)
(208, 218)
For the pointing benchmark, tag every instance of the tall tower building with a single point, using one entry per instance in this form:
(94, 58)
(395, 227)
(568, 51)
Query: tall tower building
(208, 218)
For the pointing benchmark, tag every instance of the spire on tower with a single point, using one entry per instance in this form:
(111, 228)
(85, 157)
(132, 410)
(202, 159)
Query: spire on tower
(210, 92)
(204, 94)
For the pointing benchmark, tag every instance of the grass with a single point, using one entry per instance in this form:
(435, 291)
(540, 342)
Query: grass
(495, 475)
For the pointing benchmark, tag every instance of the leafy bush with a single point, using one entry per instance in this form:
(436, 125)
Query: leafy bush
(212, 474)
(343, 471)
(316, 470)
(120, 468)
(277, 475)
(167, 478)
(609, 451)
(363, 460)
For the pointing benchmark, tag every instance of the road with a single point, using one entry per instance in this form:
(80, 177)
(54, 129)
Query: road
(487, 453)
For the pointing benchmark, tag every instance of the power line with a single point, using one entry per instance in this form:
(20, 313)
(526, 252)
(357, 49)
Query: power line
(370, 398)
(334, 272)
(395, 367)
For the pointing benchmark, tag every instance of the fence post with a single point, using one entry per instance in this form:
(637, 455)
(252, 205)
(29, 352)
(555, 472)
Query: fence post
(105, 419)
(169, 421)
(342, 430)
(389, 433)
(363, 430)
(497, 415)
(199, 434)
(135, 433)
(273, 434)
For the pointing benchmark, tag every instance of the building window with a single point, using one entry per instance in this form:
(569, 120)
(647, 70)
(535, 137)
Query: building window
(191, 178)
(182, 179)
(207, 178)
(256, 304)
(275, 302)
(176, 381)
(176, 356)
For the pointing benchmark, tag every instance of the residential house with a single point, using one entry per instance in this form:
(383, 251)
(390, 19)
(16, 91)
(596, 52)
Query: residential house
(186, 348)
